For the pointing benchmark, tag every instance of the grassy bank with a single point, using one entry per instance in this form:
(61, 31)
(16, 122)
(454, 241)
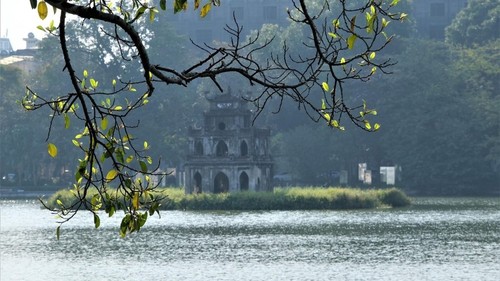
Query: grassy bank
(281, 199)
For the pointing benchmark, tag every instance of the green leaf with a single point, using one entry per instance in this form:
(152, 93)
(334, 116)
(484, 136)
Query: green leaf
(369, 22)
(129, 159)
(111, 175)
(33, 4)
(394, 3)
(111, 211)
(372, 55)
(135, 201)
(120, 155)
(376, 126)
(67, 122)
(142, 219)
(333, 35)
(124, 225)
(96, 202)
(78, 176)
(205, 9)
(97, 221)
(118, 107)
(385, 22)
(351, 40)
(52, 26)
(128, 183)
(334, 123)
(93, 83)
(81, 170)
(325, 86)
(144, 167)
(42, 10)
(180, 5)
(85, 73)
(152, 13)
(52, 150)
(146, 145)
(323, 104)
(336, 23)
(140, 11)
(58, 232)
(163, 4)
(104, 123)
(327, 117)
(368, 126)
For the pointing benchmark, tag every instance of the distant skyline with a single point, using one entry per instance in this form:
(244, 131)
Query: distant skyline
(17, 19)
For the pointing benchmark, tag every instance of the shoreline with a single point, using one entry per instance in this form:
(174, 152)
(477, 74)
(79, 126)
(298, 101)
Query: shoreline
(18, 193)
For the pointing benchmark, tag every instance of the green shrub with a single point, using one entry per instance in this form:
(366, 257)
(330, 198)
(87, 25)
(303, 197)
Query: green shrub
(394, 197)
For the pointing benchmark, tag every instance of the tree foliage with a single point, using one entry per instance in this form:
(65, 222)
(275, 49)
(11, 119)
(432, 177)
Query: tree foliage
(441, 106)
(440, 116)
(477, 24)
(344, 41)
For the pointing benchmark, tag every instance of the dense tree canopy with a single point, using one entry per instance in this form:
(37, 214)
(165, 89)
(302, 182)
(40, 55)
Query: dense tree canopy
(440, 115)
(440, 111)
(477, 24)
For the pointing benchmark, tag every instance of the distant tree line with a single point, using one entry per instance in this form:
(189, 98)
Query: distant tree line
(439, 113)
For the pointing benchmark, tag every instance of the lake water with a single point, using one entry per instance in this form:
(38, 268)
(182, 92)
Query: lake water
(435, 239)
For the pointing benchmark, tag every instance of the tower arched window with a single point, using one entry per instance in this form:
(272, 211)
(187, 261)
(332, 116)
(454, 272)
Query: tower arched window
(221, 149)
(221, 183)
(244, 181)
(198, 148)
(243, 148)
(197, 183)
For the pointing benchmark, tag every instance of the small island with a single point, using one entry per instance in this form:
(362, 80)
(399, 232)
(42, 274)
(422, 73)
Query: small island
(295, 198)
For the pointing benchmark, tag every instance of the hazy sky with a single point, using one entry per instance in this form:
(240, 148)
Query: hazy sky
(17, 19)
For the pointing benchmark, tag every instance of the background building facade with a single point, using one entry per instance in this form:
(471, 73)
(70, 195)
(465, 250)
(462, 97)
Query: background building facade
(433, 16)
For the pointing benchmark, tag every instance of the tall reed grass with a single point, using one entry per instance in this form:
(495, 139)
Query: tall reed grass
(296, 198)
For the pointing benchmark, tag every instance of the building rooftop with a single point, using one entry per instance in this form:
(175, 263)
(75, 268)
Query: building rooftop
(14, 59)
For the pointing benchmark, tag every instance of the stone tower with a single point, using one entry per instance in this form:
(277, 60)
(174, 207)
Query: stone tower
(228, 154)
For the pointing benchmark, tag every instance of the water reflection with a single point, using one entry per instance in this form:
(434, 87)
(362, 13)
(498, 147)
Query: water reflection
(446, 240)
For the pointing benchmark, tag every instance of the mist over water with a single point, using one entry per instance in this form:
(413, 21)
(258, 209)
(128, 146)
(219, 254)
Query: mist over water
(435, 239)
